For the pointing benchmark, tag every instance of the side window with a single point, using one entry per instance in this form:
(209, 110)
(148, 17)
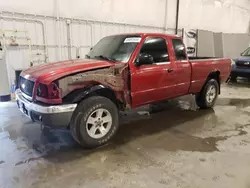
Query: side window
(157, 48)
(179, 49)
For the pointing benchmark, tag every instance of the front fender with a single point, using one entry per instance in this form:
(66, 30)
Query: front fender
(83, 93)
(96, 90)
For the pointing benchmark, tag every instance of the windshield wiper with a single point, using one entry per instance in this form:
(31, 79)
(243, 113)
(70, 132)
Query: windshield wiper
(105, 58)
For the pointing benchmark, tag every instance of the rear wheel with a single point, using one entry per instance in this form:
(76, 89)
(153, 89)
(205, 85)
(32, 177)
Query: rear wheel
(94, 121)
(207, 97)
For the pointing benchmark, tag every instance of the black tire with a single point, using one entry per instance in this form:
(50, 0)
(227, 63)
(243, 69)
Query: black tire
(81, 114)
(201, 99)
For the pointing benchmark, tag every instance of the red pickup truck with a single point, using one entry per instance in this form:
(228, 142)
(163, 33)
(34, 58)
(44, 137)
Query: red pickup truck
(120, 72)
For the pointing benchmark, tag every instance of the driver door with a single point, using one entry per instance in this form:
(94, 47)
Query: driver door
(155, 81)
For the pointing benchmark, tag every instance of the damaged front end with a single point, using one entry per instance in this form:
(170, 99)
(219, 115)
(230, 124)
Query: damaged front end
(114, 78)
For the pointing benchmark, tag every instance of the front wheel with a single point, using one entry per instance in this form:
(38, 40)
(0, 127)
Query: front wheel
(94, 121)
(207, 97)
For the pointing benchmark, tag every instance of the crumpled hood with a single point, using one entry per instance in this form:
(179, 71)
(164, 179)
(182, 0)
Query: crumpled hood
(49, 72)
(242, 58)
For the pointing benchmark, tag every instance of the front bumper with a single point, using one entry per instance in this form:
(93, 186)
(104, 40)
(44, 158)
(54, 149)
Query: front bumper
(242, 72)
(57, 116)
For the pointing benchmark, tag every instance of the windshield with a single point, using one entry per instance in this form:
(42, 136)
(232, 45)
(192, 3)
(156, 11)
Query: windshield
(116, 48)
(246, 52)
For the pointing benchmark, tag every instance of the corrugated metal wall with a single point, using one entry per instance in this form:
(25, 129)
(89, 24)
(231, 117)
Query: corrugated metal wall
(44, 39)
(47, 38)
(50, 39)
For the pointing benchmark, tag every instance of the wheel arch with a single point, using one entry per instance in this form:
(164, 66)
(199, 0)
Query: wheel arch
(78, 95)
(213, 75)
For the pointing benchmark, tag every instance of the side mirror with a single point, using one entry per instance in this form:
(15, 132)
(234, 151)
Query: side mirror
(144, 59)
(241, 54)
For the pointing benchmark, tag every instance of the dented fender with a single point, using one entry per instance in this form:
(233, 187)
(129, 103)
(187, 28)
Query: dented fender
(80, 85)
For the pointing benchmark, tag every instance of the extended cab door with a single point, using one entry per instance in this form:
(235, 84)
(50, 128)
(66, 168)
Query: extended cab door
(183, 68)
(153, 82)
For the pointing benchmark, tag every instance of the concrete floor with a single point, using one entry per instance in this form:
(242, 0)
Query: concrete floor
(178, 147)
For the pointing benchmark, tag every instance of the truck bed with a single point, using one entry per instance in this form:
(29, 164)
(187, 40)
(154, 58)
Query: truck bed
(203, 66)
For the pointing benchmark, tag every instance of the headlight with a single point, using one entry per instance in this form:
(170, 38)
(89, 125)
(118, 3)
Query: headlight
(54, 90)
(42, 91)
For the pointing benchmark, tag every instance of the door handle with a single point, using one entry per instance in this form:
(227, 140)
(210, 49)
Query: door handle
(170, 70)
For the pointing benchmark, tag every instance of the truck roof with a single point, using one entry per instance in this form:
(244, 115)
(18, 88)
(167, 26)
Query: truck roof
(150, 34)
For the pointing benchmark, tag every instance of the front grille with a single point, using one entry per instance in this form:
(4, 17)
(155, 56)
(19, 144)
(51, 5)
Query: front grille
(26, 86)
(243, 63)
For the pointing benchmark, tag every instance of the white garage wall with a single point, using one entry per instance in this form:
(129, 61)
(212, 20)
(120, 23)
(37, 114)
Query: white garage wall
(147, 12)
(229, 16)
